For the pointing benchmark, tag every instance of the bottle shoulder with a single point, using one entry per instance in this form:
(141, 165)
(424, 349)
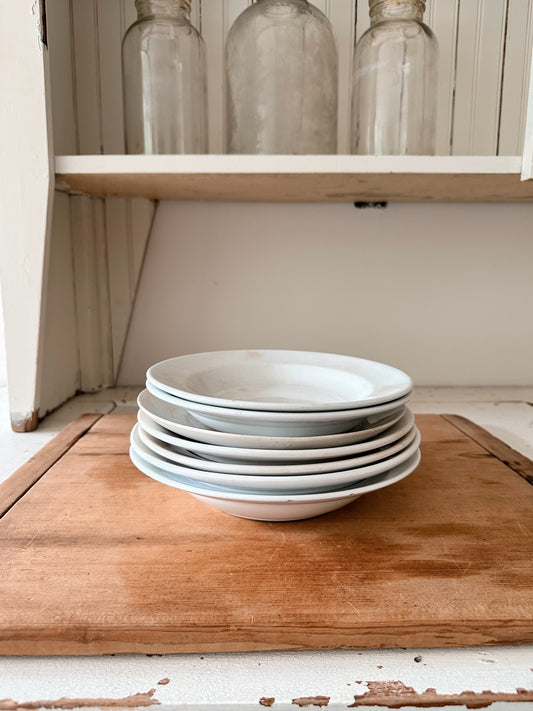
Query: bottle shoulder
(397, 31)
(164, 28)
(272, 14)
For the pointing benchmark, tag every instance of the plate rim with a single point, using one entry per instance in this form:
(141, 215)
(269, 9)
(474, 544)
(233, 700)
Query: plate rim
(410, 465)
(298, 356)
(258, 416)
(281, 441)
(412, 447)
(384, 438)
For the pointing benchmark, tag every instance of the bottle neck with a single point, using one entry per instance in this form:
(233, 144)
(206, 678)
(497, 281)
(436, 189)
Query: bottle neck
(175, 9)
(382, 10)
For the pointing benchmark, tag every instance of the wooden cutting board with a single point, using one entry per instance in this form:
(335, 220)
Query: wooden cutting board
(97, 558)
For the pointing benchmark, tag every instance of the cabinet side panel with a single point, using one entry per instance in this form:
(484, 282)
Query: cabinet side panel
(61, 365)
(26, 186)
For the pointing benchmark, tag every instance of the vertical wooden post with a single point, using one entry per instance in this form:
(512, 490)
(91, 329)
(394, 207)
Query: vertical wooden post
(27, 184)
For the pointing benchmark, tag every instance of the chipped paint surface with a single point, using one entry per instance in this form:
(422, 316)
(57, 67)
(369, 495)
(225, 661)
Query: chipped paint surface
(311, 701)
(223, 681)
(267, 701)
(133, 701)
(395, 694)
(24, 423)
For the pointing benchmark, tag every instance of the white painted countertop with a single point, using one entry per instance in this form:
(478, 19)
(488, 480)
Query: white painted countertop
(239, 681)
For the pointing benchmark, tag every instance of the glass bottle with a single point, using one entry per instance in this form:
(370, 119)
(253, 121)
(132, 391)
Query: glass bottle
(394, 90)
(281, 80)
(164, 77)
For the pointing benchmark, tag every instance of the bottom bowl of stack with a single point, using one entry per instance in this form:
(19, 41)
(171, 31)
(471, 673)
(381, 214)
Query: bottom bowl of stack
(277, 507)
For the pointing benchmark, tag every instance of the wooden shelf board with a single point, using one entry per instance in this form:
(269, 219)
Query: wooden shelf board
(340, 178)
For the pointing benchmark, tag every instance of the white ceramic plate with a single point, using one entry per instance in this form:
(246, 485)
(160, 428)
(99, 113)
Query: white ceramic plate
(186, 459)
(286, 424)
(178, 420)
(262, 507)
(218, 453)
(271, 485)
(295, 381)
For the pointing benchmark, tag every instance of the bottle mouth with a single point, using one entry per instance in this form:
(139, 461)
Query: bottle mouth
(377, 5)
(182, 4)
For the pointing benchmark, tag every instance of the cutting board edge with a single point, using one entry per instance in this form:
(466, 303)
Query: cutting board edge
(514, 460)
(184, 640)
(29, 473)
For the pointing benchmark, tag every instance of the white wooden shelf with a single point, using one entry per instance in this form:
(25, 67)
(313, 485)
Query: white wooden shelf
(339, 178)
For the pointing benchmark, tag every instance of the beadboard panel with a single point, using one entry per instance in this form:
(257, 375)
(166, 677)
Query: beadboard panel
(85, 56)
(527, 160)
(480, 54)
(92, 292)
(342, 14)
(59, 18)
(516, 76)
(362, 19)
(214, 30)
(442, 18)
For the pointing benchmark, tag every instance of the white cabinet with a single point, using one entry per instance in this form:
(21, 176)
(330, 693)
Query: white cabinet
(70, 264)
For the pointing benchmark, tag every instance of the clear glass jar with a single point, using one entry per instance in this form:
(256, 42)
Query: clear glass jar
(165, 80)
(394, 91)
(282, 86)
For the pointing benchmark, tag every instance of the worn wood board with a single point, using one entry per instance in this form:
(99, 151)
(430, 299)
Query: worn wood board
(302, 187)
(97, 558)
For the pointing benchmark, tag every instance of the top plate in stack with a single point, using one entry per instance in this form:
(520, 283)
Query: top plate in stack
(279, 381)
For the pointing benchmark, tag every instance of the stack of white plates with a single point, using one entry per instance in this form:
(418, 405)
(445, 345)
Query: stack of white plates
(275, 435)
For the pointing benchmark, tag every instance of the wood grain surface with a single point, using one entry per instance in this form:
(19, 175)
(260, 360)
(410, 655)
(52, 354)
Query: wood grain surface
(516, 461)
(98, 558)
(31, 471)
(303, 187)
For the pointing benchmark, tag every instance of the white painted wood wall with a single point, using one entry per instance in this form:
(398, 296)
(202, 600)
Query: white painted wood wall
(91, 263)
(108, 236)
